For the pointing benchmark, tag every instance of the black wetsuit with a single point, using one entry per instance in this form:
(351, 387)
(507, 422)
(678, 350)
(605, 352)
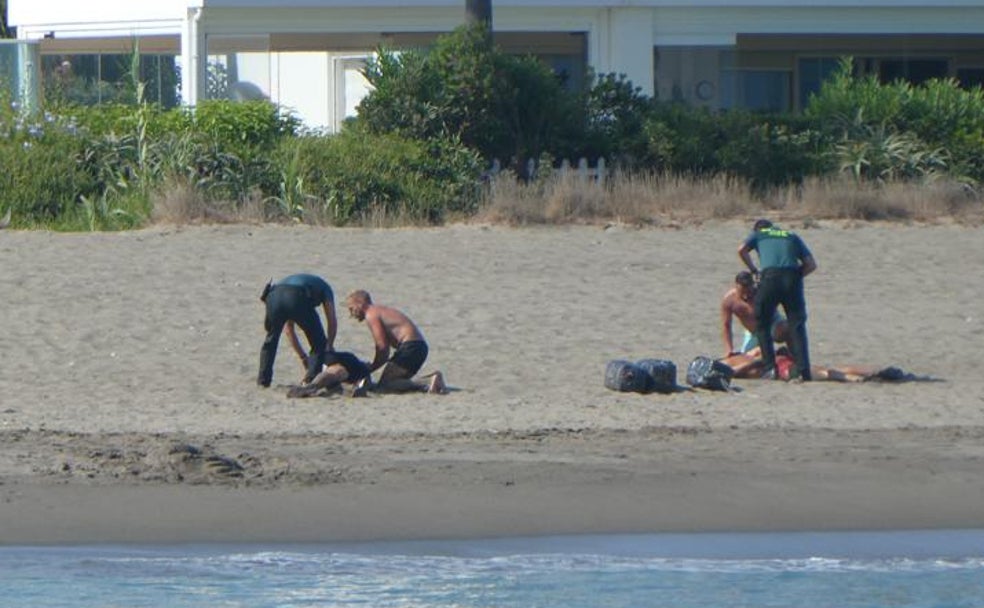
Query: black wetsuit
(295, 298)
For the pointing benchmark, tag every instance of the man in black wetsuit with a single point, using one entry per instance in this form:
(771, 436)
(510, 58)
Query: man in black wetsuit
(785, 260)
(295, 300)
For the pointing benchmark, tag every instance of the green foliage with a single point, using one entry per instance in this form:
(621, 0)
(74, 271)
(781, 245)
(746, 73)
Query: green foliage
(508, 107)
(40, 176)
(771, 152)
(244, 125)
(437, 116)
(355, 174)
(898, 130)
(683, 139)
(843, 94)
(616, 117)
(880, 153)
(534, 113)
(239, 138)
(447, 91)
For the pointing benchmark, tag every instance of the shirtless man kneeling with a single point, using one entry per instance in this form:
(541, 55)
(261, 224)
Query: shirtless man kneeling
(390, 328)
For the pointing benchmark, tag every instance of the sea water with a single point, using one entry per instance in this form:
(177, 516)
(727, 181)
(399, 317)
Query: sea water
(917, 569)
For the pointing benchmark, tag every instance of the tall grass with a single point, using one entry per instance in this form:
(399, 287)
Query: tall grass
(645, 200)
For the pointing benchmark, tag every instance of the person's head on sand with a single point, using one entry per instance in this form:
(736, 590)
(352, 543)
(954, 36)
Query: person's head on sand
(357, 302)
(780, 331)
(745, 283)
(762, 224)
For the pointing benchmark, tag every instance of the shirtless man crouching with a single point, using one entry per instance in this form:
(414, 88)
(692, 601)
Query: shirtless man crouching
(739, 302)
(391, 328)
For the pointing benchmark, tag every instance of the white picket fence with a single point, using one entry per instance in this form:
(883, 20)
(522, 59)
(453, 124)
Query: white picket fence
(583, 170)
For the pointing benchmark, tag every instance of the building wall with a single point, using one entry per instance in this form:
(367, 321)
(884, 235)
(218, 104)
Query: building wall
(718, 53)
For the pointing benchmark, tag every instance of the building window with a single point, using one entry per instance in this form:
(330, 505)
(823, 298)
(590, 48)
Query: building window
(813, 71)
(914, 71)
(971, 77)
(757, 90)
(89, 79)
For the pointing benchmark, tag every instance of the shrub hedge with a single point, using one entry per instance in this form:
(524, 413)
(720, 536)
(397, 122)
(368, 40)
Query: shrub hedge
(419, 153)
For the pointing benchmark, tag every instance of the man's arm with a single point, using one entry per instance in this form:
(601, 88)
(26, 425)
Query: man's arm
(331, 323)
(379, 338)
(295, 343)
(809, 265)
(745, 253)
(726, 334)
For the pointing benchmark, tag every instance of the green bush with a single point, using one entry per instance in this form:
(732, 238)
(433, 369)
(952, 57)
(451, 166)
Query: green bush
(354, 175)
(771, 151)
(40, 181)
(901, 130)
(507, 107)
(616, 113)
(683, 140)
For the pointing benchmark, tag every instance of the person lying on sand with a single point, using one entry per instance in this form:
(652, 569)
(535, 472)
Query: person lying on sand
(750, 365)
(346, 368)
(392, 328)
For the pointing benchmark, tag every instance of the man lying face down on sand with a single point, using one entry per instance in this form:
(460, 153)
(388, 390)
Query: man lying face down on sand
(749, 364)
(391, 328)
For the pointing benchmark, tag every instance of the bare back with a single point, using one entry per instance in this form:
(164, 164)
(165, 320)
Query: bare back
(397, 326)
(734, 304)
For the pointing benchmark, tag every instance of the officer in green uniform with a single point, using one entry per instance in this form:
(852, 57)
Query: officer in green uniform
(294, 300)
(784, 261)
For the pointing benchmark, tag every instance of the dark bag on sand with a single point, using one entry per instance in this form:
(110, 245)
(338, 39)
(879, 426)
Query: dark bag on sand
(626, 377)
(704, 372)
(662, 375)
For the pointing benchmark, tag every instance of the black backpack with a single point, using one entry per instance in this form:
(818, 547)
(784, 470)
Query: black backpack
(662, 375)
(704, 372)
(626, 377)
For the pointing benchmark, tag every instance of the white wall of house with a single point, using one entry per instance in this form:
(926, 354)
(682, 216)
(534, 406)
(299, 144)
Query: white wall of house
(74, 18)
(621, 34)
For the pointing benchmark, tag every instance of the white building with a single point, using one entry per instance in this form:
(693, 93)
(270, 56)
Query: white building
(306, 54)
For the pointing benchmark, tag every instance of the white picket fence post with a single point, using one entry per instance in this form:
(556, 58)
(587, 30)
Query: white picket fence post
(585, 173)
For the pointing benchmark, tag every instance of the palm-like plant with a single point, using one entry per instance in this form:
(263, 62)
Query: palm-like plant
(879, 152)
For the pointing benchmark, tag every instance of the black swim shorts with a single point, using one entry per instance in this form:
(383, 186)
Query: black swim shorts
(409, 357)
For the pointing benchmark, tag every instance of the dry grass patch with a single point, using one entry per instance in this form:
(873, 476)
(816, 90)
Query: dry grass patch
(667, 199)
(639, 200)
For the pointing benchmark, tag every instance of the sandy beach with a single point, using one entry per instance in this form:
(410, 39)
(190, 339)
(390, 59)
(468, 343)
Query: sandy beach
(129, 410)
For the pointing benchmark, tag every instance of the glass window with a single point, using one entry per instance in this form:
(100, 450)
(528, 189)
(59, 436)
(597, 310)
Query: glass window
(813, 71)
(970, 77)
(916, 71)
(759, 90)
(89, 79)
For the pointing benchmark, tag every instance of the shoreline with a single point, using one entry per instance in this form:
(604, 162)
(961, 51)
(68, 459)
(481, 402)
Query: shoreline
(678, 481)
(129, 410)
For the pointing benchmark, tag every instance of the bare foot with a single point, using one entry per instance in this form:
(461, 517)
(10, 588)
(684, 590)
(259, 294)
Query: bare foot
(436, 385)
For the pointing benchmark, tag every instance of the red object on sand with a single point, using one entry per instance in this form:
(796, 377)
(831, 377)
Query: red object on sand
(784, 364)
